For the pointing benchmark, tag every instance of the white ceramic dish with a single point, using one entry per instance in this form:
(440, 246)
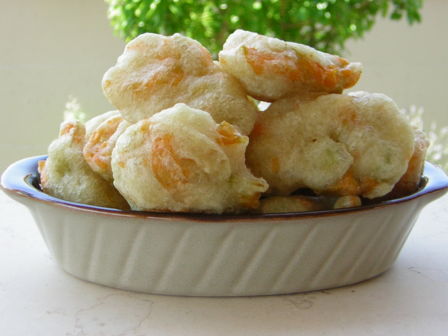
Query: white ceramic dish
(203, 255)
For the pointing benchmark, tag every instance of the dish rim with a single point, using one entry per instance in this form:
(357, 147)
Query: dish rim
(19, 177)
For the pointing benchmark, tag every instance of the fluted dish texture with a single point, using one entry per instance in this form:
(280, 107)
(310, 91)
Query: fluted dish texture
(222, 256)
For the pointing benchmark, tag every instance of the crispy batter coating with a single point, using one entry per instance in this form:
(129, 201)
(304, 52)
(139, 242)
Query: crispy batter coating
(270, 69)
(410, 181)
(337, 144)
(94, 122)
(66, 175)
(293, 203)
(155, 72)
(181, 160)
(348, 201)
(98, 148)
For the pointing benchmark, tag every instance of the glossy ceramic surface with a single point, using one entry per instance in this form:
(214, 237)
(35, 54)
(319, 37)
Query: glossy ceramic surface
(204, 255)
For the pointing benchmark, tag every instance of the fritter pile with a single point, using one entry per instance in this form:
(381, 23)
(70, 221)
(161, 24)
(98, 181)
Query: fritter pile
(187, 136)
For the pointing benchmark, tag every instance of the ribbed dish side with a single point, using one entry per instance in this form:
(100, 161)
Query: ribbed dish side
(226, 258)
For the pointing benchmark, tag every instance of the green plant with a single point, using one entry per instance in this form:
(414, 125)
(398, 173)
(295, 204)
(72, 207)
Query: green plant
(323, 24)
(73, 110)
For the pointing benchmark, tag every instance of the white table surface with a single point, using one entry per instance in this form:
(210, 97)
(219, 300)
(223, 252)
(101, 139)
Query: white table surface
(38, 298)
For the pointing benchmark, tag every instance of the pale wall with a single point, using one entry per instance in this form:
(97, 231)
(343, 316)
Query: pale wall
(408, 63)
(51, 49)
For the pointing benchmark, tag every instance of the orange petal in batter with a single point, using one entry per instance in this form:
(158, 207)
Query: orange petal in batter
(166, 165)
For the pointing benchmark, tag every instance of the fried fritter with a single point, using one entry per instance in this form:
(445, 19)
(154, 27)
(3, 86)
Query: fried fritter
(348, 201)
(98, 148)
(66, 175)
(181, 160)
(410, 181)
(94, 122)
(293, 203)
(270, 69)
(155, 72)
(337, 144)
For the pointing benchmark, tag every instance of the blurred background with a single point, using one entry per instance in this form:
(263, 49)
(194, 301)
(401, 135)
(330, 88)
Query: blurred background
(53, 50)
